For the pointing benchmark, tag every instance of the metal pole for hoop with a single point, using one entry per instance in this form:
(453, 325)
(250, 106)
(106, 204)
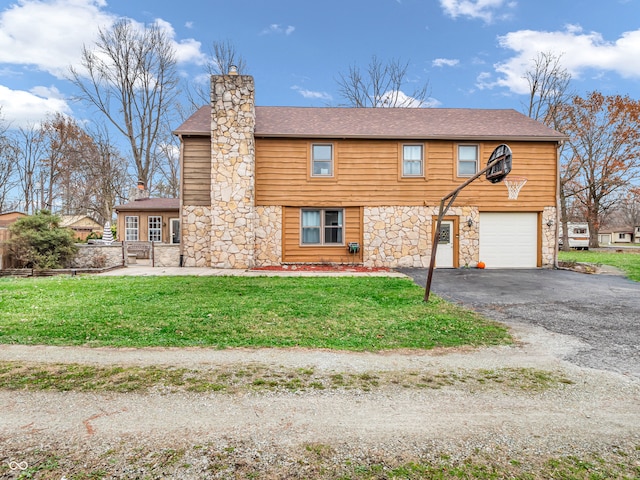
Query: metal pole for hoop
(442, 211)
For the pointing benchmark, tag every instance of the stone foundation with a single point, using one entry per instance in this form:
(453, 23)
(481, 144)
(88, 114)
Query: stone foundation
(549, 237)
(268, 231)
(401, 236)
(196, 228)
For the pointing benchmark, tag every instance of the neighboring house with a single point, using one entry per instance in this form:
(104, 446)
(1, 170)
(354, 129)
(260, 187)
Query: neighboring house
(149, 220)
(619, 235)
(81, 225)
(6, 219)
(264, 186)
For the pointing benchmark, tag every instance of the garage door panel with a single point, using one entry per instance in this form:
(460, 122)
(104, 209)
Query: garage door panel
(509, 240)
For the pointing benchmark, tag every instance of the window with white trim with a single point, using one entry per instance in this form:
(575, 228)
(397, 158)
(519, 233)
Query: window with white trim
(412, 161)
(322, 160)
(131, 229)
(155, 229)
(322, 227)
(467, 160)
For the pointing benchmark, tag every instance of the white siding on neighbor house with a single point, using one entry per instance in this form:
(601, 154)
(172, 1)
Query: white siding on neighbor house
(509, 240)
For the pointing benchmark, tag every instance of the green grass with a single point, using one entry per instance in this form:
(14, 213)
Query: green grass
(627, 262)
(346, 313)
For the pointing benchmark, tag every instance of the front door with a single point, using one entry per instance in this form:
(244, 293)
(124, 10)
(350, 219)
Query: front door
(444, 253)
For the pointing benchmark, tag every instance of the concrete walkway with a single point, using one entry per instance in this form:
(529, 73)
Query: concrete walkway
(146, 270)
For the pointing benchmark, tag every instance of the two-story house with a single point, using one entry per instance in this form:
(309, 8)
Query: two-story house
(266, 186)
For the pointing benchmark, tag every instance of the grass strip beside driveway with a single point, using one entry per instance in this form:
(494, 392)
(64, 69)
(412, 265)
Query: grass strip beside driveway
(628, 262)
(344, 313)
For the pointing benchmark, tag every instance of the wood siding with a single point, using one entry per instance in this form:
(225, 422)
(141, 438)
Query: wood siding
(367, 173)
(196, 171)
(143, 224)
(294, 252)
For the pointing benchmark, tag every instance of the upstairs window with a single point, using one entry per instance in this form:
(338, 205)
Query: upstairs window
(322, 160)
(412, 161)
(467, 160)
(322, 227)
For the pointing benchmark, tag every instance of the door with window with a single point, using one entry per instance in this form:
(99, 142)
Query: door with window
(174, 226)
(444, 253)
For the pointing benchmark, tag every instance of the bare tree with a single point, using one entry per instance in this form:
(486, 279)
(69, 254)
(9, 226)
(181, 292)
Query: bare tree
(131, 77)
(381, 85)
(549, 83)
(168, 175)
(628, 207)
(8, 165)
(30, 156)
(222, 56)
(605, 141)
(64, 144)
(105, 176)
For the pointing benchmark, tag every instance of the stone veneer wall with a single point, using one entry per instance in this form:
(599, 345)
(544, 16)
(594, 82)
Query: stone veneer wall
(196, 236)
(268, 232)
(232, 171)
(166, 255)
(98, 256)
(549, 237)
(401, 236)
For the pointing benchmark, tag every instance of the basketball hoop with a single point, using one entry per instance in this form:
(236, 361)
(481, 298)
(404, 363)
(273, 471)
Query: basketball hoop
(514, 184)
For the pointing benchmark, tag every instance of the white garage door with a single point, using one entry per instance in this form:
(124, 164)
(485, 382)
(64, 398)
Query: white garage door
(509, 240)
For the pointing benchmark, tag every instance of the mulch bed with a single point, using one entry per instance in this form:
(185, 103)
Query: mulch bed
(321, 268)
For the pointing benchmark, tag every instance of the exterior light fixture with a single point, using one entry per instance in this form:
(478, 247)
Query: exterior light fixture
(469, 222)
(550, 223)
(233, 70)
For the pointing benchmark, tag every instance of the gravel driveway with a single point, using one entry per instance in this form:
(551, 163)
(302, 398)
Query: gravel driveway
(600, 311)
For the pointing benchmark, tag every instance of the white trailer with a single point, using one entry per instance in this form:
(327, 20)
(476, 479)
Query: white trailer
(578, 235)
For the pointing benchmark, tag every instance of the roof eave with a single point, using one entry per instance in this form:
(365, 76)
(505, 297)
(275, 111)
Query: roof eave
(476, 138)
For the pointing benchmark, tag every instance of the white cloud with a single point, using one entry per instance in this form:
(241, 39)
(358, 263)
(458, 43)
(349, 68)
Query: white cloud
(22, 108)
(187, 50)
(445, 62)
(580, 52)
(397, 98)
(487, 10)
(278, 29)
(311, 94)
(50, 34)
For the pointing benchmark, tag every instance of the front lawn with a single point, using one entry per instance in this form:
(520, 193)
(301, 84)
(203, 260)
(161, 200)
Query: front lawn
(627, 262)
(346, 313)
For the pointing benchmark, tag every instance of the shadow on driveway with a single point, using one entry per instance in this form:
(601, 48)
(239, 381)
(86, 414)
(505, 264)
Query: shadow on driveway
(602, 311)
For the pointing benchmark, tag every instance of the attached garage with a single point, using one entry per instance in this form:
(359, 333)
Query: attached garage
(509, 239)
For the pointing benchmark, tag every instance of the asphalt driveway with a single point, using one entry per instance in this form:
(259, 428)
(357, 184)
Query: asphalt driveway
(601, 311)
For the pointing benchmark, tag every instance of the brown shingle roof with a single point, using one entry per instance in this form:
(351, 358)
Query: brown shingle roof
(146, 204)
(410, 123)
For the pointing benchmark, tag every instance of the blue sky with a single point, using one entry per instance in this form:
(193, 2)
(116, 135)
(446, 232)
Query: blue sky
(473, 53)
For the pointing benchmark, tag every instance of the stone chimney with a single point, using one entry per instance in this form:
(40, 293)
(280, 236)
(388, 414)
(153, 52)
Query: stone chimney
(232, 171)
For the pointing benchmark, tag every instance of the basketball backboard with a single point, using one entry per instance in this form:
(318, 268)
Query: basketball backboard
(497, 173)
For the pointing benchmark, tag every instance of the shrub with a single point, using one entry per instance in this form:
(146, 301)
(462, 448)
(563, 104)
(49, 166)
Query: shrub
(38, 241)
